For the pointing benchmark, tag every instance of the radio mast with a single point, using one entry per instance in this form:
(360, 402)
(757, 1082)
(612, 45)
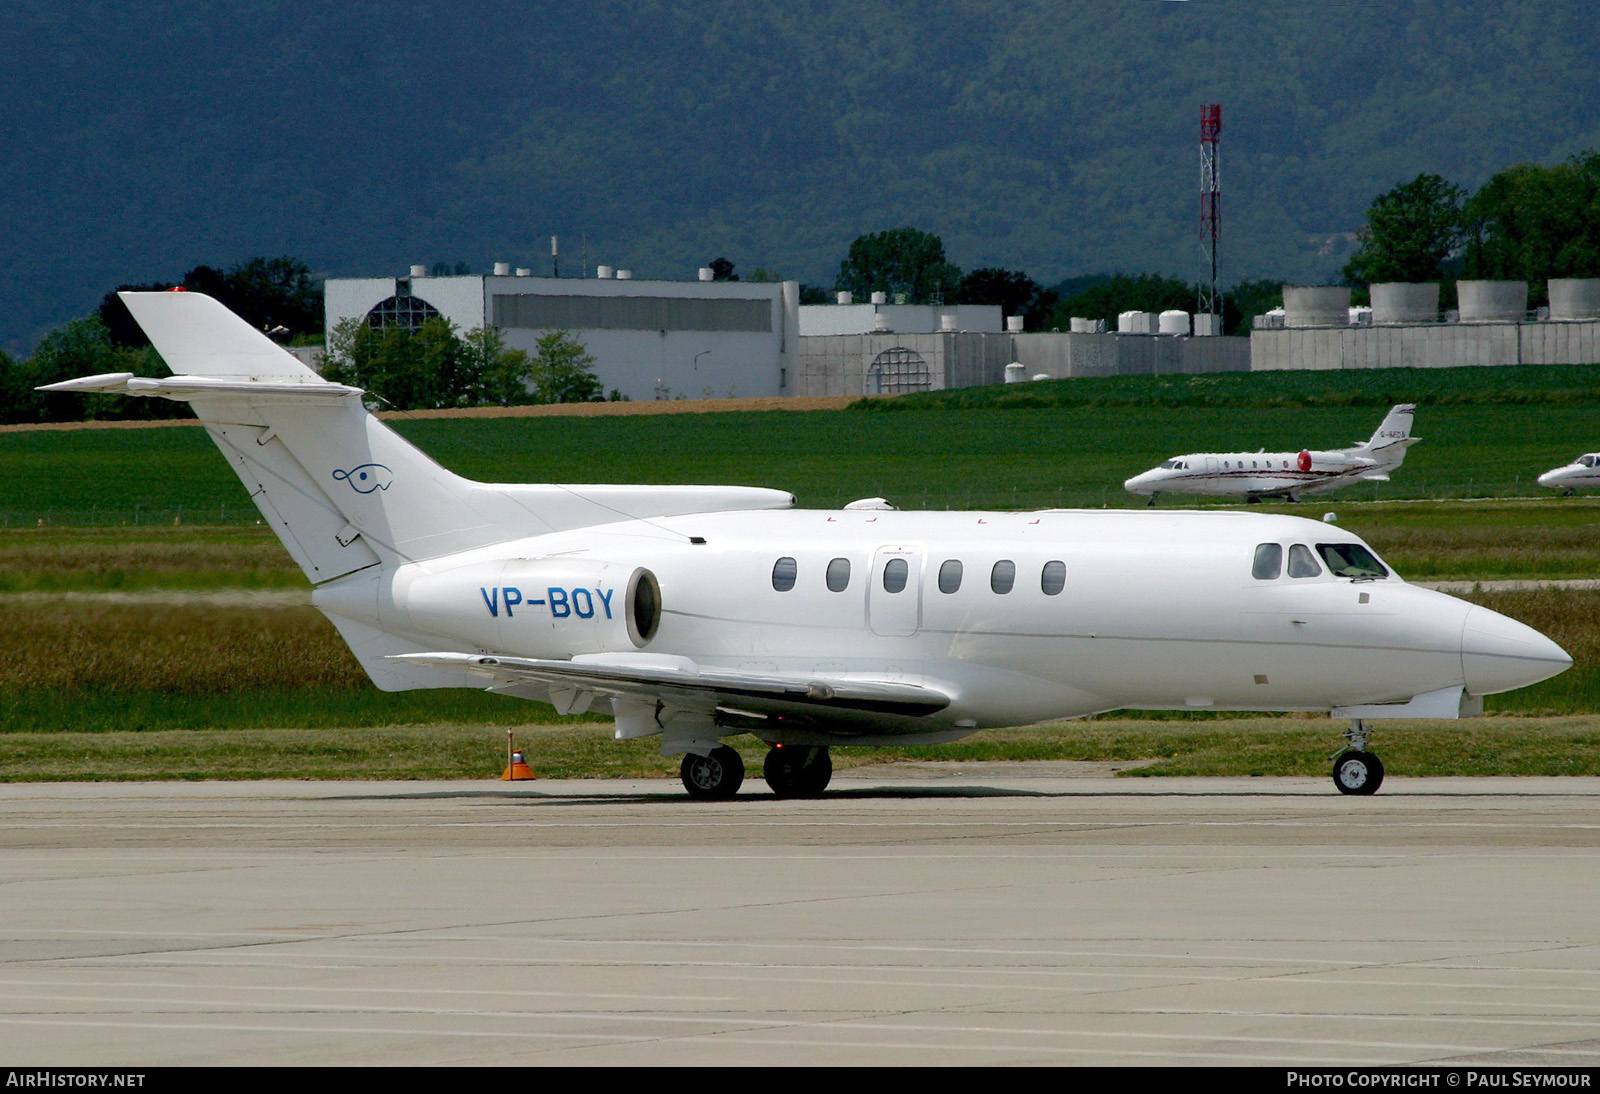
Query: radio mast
(1210, 302)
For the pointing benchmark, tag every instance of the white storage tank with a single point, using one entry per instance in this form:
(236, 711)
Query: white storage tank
(1405, 302)
(1013, 324)
(1173, 322)
(605, 273)
(948, 323)
(707, 274)
(502, 269)
(1575, 298)
(1492, 301)
(839, 298)
(1136, 322)
(880, 298)
(419, 271)
(1016, 373)
(1316, 305)
(1207, 324)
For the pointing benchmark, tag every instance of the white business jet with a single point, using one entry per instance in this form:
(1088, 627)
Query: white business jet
(1256, 475)
(693, 613)
(1582, 473)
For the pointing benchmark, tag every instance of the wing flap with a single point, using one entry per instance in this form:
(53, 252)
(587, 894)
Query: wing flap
(687, 685)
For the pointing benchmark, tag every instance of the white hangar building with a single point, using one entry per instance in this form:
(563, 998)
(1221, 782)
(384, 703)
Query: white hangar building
(650, 339)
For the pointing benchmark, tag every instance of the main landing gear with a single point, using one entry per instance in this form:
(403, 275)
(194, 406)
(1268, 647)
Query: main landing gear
(798, 771)
(1355, 770)
(715, 776)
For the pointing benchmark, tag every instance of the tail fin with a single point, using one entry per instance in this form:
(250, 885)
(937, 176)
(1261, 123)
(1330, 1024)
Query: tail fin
(341, 489)
(1396, 427)
(1388, 445)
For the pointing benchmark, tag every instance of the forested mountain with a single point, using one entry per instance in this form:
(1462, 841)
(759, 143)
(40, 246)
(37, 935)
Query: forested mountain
(1057, 137)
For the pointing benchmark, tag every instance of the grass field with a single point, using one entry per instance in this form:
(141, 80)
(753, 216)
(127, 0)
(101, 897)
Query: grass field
(1478, 441)
(144, 685)
(1234, 747)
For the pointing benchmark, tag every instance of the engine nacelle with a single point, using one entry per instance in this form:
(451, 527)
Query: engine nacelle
(533, 607)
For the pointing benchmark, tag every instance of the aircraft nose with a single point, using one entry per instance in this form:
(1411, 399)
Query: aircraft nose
(1498, 654)
(1550, 478)
(1139, 484)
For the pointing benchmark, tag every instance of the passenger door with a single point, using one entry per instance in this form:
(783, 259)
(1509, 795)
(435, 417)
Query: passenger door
(894, 599)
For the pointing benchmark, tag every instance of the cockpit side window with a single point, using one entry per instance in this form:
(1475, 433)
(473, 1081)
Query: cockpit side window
(1269, 562)
(1351, 560)
(1586, 461)
(1302, 563)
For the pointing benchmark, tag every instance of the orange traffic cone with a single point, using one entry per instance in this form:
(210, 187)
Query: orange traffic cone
(519, 768)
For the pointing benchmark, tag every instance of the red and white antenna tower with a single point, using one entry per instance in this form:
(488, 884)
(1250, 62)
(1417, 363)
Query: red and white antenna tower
(1210, 206)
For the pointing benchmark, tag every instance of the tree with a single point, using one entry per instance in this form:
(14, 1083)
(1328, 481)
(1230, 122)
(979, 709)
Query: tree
(83, 347)
(1409, 231)
(1108, 298)
(268, 293)
(505, 375)
(722, 270)
(1016, 293)
(902, 262)
(1532, 223)
(408, 370)
(563, 370)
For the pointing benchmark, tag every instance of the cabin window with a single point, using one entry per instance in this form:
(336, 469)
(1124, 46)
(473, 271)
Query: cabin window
(838, 575)
(1269, 562)
(1351, 560)
(1003, 576)
(1053, 578)
(783, 574)
(894, 575)
(1302, 563)
(950, 575)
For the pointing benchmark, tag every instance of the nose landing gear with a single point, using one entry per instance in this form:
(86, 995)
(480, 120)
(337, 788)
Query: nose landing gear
(798, 771)
(1355, 770)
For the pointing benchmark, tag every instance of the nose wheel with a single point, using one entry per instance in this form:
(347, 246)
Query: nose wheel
(798, 771)
(1355, 770)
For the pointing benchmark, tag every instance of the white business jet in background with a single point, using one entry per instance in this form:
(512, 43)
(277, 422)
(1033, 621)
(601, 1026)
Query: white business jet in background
(1582, 473)
(694, 613)
(1256, 475)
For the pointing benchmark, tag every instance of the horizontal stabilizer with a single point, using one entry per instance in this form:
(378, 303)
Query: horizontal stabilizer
(651, 677)
(197, 387)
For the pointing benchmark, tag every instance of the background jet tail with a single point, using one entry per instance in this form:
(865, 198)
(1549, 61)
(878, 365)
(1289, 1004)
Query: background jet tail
(1396, 428)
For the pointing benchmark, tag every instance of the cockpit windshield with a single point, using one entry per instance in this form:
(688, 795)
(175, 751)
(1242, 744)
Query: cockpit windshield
(1351, 560)
(1168, 465)
(1588, 461)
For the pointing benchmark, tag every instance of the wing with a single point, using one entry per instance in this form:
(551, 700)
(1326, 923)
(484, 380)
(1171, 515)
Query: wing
(684, 685)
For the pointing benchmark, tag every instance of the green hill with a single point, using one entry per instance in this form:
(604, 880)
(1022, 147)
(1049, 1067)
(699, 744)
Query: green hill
(1060, 139)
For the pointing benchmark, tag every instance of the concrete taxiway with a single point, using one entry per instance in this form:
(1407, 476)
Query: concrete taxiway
(919, 914)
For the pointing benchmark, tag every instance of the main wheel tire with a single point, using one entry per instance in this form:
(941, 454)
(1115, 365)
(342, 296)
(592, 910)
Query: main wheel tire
(817, 774)
(713, 777)
(799, 771)
(1357, 772)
